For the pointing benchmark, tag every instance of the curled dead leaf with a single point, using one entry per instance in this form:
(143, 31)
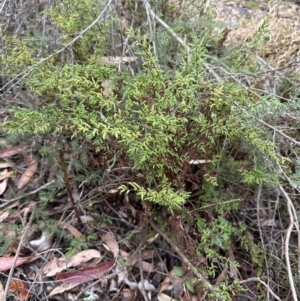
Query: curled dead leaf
(163, 297)
(6, 174)
(63, 288)
(6, 163)
(43, 243)
(77, 234)
(29, 172)
(111, 243)
(57, 265)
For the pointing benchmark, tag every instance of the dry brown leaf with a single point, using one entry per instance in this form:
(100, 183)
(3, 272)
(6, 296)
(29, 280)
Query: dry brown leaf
(222, 276)
(20, 289)
(148, 254)
(6, 174)
(29, 172)
(173, 282)
(12, 151)
(28, 209)
(84, 219)
(77, 234)
(147, 267)
(63, 288)
(121, 276)
(3, 216)
(6, 163)
(128, 294)
(56, 265)
(83, 256)
(164, 286)
(164, 297)
(111, 243)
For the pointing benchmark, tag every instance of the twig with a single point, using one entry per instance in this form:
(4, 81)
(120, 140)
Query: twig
(68, 186)
(279, 132)
(259, 206)
(263, 283)
(287, 240)
(178, 39)
(2, 6)
(186, 261)
(150, 12)
(17, 254)
(7, 202)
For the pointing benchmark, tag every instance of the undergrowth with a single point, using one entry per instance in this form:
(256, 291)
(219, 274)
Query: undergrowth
(154, 119)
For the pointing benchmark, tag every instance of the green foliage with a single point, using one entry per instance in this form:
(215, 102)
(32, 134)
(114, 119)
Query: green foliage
(16, 55)
(217, 235)
(72, 18)
(7, 238)
(160, 116)
(77, 245)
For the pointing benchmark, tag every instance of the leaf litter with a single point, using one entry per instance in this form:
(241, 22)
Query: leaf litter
(122, 257)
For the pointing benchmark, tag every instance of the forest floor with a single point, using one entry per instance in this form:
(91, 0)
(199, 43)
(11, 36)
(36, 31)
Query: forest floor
(134, 251)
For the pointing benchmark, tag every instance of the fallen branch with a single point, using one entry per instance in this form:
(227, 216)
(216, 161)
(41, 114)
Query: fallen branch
(7, 202)
(287, 242)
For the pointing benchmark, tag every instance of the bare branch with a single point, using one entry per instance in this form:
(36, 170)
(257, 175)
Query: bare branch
(287, 241)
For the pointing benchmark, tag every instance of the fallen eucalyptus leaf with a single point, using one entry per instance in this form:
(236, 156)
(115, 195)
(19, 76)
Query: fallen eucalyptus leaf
(86, 274)
(59, 264)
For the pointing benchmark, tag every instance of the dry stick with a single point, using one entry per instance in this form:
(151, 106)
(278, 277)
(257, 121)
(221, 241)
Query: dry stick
(178, 39)
(2, 6)
(263, 283)
(186, 261)
(68, 186)
(79, 36)
(287, 239)
(7, 202)
(259, 120)
(280, 132)
(258, 206)
(18, 253)
(147, 6)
